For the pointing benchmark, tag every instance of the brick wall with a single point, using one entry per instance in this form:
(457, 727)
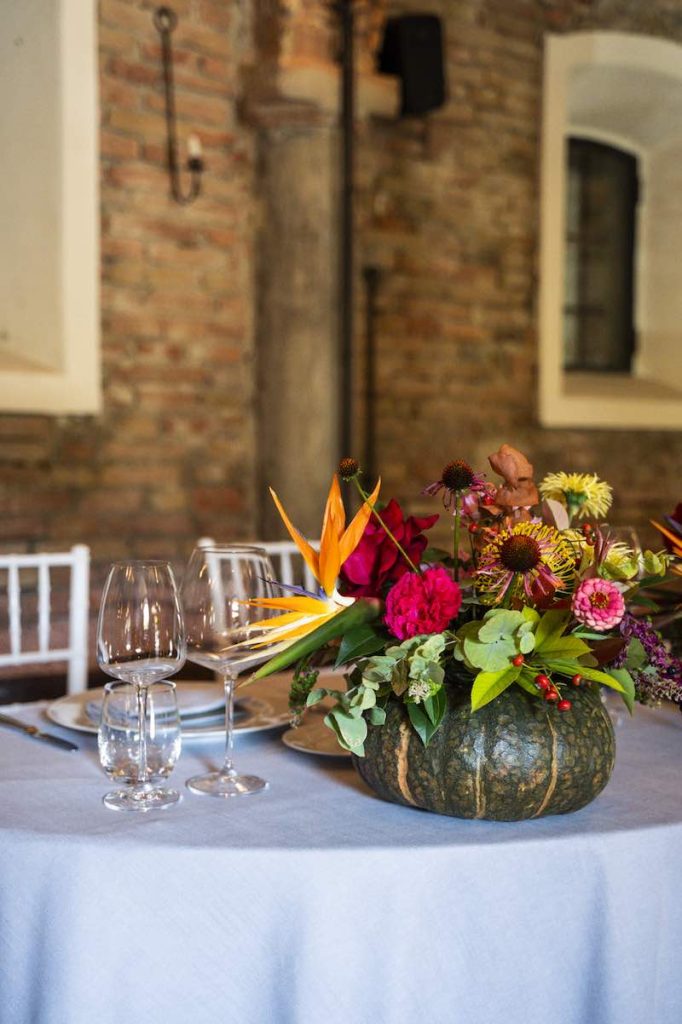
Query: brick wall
(171, 456)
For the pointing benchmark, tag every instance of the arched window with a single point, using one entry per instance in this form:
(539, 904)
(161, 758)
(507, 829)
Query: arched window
(610, 301)
(601, 204)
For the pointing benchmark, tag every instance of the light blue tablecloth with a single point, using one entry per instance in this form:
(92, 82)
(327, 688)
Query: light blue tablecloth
(316, 903)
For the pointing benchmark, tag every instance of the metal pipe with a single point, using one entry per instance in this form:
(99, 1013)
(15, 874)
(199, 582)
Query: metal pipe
(372, 277)
(346, 252)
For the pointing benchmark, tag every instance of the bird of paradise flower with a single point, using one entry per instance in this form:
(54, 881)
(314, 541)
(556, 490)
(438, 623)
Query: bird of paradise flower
(304, 612)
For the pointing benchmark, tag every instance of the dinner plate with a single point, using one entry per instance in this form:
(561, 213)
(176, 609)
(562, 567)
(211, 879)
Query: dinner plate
(260, 706)
(313, 737)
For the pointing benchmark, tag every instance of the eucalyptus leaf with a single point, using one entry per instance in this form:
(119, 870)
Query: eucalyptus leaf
(314, 697)
(376, 715)
(351, 730)
(369, 698)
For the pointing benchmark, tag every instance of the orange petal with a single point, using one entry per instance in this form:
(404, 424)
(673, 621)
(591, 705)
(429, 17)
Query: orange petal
(330, 562)
(295, 632)
(310, 556)
(334, 515)
(302, 604)
(351, 538)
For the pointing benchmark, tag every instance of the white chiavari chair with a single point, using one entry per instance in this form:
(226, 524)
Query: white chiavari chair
(25, 580)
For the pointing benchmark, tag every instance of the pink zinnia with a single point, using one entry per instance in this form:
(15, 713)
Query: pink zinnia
(599, 604)
(424, 603)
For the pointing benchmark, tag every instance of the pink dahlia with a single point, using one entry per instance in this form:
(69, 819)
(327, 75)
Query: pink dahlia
(599, 604)
(424, 603)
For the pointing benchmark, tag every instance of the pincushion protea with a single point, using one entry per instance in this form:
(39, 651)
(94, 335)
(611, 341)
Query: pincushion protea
(525, 560)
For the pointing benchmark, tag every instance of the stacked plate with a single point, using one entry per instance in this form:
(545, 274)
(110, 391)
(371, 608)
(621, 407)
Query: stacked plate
(263, 705)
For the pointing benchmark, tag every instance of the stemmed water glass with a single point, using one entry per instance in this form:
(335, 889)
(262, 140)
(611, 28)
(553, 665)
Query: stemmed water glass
(140, 640)
(222, 628)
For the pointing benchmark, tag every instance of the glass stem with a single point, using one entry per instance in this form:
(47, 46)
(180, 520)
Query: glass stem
(228, 767)
(143, 771)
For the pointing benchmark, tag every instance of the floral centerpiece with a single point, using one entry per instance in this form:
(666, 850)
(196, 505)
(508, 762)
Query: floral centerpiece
(474, 674)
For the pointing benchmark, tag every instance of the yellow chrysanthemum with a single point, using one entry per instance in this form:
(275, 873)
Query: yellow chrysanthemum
(582, 494)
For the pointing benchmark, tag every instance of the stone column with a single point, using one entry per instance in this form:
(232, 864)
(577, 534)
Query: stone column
(291, 97)
(297, 326)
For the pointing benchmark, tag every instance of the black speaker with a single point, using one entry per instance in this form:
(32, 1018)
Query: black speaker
(412, 48)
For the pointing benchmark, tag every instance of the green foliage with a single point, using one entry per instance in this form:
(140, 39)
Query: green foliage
(302, 683)
(358, 643)
(489, 644)
(488, 685)
(627, 683)
(427, 717)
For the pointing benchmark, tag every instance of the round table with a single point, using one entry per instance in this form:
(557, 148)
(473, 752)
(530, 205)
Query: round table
(317, 902)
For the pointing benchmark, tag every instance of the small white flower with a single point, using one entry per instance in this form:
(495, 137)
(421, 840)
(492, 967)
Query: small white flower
(419, 691)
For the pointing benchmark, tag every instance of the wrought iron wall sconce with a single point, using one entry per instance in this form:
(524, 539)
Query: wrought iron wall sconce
(165, 20)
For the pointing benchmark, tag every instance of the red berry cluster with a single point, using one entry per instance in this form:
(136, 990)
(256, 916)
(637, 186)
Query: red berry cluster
(550, 692)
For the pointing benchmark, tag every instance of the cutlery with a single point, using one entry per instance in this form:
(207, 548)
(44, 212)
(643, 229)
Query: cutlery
(36, 733)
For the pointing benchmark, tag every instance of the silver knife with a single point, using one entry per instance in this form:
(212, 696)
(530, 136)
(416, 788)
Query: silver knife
(36, 733)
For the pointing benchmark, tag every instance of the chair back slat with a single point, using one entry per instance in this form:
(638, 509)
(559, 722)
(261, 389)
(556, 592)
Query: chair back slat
(43, 607)
(79, 602)
(286, 569)
(14, 602)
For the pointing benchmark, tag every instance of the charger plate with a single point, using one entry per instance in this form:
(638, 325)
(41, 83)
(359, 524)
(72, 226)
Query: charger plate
(262, 705)
(313, 737)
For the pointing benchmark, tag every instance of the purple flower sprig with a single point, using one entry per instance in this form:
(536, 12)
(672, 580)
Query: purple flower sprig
(660, 677)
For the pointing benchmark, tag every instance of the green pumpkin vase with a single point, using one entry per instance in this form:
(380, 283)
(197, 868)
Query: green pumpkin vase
(513, 759)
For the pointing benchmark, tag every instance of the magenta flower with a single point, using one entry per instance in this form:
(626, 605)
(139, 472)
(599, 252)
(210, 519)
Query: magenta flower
(599, 604)
(425, 603)
(376, 561)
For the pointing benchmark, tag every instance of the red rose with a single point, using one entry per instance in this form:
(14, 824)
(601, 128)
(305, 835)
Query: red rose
(376, 561)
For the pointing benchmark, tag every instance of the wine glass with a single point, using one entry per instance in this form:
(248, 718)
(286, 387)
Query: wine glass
(140, 640)
(221, 629)
(118, 740)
